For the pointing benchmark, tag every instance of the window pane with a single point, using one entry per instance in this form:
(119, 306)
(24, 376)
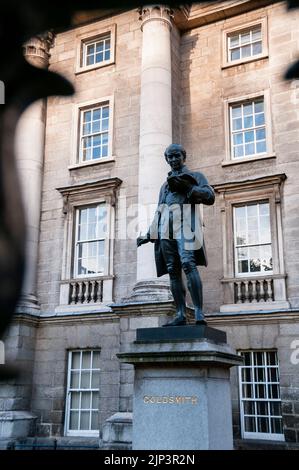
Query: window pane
(236, 54)
(246, 374)
(237, 124)
(95, 380)
(236, 111)
(249, 149)
(94, 420)
(107, 54)
(247, 391)
(105, 124)
(248, 122)
(76, 360)
(259, 106)
(75, 379)
(95, 400)
(90, 49)
(238, 139)
(260, 374)
(105, 151)
(247, 358)
(259, 119)
(249, 136)
(100, 46)
(250, 425)
(74, 420)
(86, 359)
(96, 126)
(90, 60)
(105, 112)
(260, 391)
(84, 420)
(239, 151)
(263, 425)
(96, 152)
(234, 40)
(247, 109)
(257, 48)
(260, 134)
(256, 34)
(245, 37)
(272, 358)
(85, 379)
(99, 57)
(255, 260)
(275, 408)
(249, 408)
(86, 128)
(87, 116)
(276, 425)
(85, 400)
(266, 260)
(75, 400)
(261, 147)
(246, 51)
(262, 408)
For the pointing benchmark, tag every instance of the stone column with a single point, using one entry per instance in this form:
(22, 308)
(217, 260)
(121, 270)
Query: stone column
(155, 135)
(30, 139)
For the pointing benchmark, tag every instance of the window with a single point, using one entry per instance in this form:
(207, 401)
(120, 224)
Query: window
(260, 403)
(87, 259)
(254, 277)
(244, 44)
(82, 404)
(91, 232)
(97, 51)
(95, 47)
(248, 129)
(94, 133)
(252, 235)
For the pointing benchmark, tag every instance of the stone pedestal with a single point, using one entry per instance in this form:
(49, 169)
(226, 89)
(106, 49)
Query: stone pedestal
(182, 398)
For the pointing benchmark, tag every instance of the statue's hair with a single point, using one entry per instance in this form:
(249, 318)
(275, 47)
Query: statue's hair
(178, 147)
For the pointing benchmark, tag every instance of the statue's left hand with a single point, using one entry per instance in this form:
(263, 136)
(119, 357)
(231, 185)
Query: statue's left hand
(181, 185)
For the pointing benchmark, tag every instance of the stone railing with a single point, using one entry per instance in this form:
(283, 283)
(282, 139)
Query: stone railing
(254, 293)
(85, 291)
(254, 290)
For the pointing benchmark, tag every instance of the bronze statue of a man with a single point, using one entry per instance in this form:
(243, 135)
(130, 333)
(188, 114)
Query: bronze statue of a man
(177, 232)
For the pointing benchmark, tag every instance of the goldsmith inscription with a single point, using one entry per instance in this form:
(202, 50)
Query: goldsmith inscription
(171, 400)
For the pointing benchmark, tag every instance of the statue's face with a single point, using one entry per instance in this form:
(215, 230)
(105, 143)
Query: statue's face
(175, 159)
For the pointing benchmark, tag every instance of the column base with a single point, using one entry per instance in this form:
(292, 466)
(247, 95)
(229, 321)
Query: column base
(182, 396)
(150, 290)
(28, 304)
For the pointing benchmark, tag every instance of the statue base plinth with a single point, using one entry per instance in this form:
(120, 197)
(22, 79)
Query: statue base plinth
(182, 398)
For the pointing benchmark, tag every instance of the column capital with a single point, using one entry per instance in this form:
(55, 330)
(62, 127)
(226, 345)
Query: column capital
(37, 49)
(155, 12)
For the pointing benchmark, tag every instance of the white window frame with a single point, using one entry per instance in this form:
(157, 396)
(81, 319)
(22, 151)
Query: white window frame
(250, 274)
(228, 103)
(240, 28)
(76, 133)
(67, 431)
(92, 37)
(258, 435)
(76, 242)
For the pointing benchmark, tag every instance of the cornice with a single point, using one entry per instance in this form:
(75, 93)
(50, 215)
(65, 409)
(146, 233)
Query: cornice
(204, 13)
(250, 184)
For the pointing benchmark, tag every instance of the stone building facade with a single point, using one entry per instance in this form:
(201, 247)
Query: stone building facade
(211, 78)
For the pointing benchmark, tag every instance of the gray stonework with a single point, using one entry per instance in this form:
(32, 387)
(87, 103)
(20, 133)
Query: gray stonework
(200, 86)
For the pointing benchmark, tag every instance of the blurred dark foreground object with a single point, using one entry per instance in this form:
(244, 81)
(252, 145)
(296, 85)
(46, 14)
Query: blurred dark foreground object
(25, 84)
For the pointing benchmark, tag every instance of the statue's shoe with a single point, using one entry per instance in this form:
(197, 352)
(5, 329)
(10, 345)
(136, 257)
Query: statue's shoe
(199, 318)
(178, 321)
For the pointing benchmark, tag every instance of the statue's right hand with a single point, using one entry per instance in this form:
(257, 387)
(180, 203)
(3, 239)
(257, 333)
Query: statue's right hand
(142, 241)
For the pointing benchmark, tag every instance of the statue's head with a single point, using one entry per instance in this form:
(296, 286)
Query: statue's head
(175, 155)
